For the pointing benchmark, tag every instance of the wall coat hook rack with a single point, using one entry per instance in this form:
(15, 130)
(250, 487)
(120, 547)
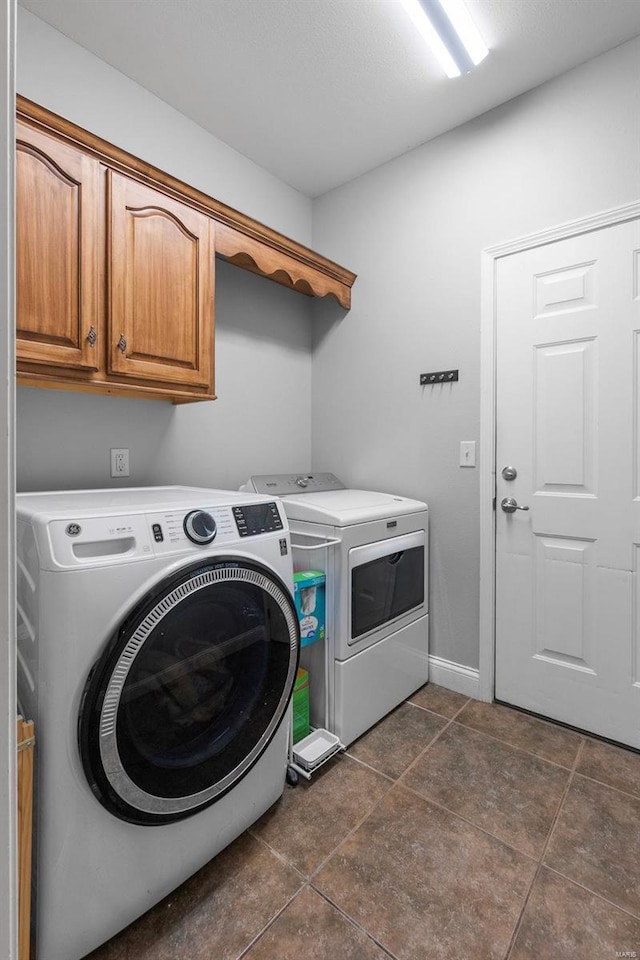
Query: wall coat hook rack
(440, 376)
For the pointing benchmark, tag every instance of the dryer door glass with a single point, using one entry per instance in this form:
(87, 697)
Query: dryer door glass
(190, 692)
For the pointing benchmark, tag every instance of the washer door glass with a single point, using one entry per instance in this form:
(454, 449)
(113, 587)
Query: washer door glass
(190, 692)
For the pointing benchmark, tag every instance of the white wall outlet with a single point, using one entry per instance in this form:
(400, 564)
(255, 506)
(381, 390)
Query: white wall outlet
(467, 453)
(119, 462)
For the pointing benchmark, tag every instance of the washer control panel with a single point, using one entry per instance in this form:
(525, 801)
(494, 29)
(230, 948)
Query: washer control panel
(256, 518)
(82, 541)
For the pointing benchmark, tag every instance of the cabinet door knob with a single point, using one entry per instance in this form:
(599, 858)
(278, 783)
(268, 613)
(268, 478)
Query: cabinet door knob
(122, 343)
(92, 336)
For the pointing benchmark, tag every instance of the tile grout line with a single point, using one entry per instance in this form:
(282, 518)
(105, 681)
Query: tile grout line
(540, 866)
(307, 877)
(431, 742)
(572, 776)
(270, 923)
(435, 737)
(453, 715)
(353, 922)
(392, 782)
(367, 766)
(603, 783)
(448, 721)
(509, 743)
(469, 823)
(400, 781)
(631, 796)
(351, 832)
(586, 738)
(279, 856)
(310, 881)
(285, 863)
(307, 884)
(593, 893)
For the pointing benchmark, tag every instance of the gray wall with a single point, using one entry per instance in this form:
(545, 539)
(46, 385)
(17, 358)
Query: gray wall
(58, 74)
(414, 230)
(260, 422)
(263, 331)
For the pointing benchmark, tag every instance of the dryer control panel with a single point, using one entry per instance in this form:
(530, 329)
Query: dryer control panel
(286, 484)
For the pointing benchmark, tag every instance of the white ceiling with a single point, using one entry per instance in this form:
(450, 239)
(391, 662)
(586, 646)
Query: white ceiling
(320, 91)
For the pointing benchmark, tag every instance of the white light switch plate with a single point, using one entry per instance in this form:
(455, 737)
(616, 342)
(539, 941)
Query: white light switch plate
(467, 453)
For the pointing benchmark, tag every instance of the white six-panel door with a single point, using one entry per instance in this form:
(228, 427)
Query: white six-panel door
(568, 421)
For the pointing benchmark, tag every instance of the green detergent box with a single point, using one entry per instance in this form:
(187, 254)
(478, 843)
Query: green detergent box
(301, 705)
(309, 596)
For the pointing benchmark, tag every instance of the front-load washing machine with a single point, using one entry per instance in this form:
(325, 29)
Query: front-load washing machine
(374, 548)
(157, 648)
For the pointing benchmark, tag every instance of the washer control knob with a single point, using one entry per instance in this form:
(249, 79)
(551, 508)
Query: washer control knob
(199, 526)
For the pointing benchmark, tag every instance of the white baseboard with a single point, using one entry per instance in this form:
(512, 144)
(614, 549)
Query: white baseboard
(455, 676)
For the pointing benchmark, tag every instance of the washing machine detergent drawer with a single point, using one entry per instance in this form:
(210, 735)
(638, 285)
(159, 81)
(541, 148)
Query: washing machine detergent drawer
(373, 682)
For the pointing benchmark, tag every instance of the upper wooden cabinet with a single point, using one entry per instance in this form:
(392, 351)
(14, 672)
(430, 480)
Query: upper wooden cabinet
(160, 289)
(57, 251)
(114, 283)
(116, 265)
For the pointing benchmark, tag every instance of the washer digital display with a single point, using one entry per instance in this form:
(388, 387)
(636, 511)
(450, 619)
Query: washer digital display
(257, 518)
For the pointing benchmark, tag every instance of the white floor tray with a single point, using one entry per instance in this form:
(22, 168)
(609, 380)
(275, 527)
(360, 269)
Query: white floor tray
(315, 748)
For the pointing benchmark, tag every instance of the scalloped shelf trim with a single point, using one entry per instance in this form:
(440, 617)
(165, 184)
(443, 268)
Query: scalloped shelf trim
(298, 282)
(261, 258)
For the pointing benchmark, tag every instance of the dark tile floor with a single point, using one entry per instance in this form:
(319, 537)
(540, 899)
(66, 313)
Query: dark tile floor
(453, 829)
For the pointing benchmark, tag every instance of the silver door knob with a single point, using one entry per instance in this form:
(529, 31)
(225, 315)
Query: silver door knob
(509, 473)
(509, 505)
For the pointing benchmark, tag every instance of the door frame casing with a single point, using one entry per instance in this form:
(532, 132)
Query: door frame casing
(488, 413)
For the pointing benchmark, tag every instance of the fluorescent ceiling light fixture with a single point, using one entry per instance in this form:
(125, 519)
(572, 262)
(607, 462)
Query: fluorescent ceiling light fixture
(450, 33)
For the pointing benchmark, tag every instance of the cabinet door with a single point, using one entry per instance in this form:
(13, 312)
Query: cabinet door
(57, 251)
(161, 268)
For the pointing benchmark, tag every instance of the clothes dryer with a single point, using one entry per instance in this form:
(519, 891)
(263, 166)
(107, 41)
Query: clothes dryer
(157, 650)
(377, 592)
